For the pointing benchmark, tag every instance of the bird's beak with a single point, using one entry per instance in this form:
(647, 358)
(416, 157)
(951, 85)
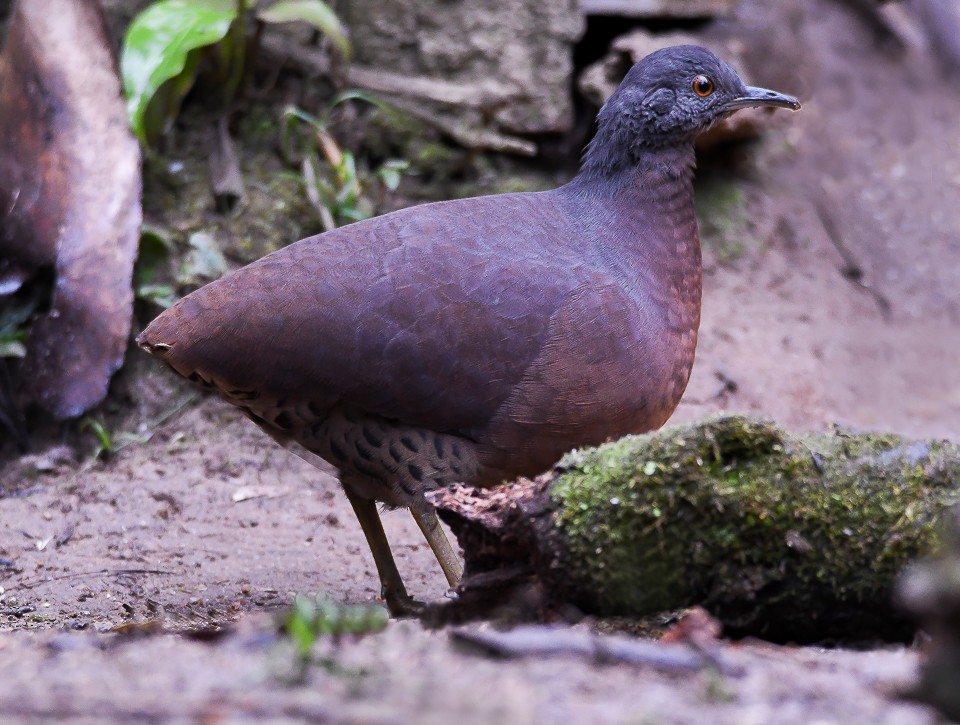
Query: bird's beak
(762, 97)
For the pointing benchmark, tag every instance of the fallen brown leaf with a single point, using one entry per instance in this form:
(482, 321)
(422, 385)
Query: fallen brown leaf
(69, 197)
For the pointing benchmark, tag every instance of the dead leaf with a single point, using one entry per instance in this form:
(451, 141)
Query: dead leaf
(69, 197)
(225, 175)
(697, 627)
(245, 493)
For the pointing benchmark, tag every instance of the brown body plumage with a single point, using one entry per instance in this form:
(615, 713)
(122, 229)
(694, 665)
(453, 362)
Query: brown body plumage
(472, 340)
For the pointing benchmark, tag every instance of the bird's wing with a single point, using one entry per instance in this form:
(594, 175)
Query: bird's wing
(430, 315)
(602, 372)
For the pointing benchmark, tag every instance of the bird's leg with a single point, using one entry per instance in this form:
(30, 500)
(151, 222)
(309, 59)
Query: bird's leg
(430, 526)
(392, 589)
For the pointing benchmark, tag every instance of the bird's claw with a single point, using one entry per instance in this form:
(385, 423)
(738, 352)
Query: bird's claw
(401, 605)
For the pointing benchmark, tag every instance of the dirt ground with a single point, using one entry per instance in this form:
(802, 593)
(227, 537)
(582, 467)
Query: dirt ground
(204, 521)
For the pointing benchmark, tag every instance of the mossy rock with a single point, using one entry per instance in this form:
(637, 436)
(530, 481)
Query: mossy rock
(787, 536)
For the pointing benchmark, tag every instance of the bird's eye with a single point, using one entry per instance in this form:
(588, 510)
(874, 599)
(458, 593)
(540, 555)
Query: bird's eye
(702, 86)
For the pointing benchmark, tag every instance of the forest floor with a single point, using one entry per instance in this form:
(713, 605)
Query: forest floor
(205, 523)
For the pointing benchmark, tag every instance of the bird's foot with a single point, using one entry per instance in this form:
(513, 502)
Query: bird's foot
(401, 605)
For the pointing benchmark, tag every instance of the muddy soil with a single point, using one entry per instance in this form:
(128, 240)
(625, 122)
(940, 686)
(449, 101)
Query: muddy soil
(212, 526)
(204, 523)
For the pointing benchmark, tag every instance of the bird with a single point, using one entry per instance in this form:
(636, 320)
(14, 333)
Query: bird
(477, 340)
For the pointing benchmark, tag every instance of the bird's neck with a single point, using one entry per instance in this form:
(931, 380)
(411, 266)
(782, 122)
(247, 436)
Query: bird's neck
(651, 171)
(647, 208)
(640, 222)
(645, 199)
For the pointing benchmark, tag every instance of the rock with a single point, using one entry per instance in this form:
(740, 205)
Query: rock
(508, 61)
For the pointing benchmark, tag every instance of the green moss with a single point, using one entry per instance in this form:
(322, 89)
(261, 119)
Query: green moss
(391, 133)
(733, 509)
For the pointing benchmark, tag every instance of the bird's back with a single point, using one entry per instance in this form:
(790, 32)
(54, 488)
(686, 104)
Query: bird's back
(499, 319)
(385, 314)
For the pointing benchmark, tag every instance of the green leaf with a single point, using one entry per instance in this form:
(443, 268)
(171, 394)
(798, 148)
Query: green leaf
(292, 113)
(204, 262)
(315, 12)
(157, 46)
(162, 295)
(300, 624)
(355, 94)
(390, 178)
(12, 348)
(391, 171)
(353, 214)
(14, 317)
(16, 313)
(104, 440)
(158, 239)
(349, 181)
(156, 248)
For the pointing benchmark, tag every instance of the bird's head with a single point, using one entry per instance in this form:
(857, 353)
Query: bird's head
(669, 97)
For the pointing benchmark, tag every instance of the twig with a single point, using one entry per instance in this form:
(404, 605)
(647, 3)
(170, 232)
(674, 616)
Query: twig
(31, 583)
(464, 134)
(546, 641)
(412, 93)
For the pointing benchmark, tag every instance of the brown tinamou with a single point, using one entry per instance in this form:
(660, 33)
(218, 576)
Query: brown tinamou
(478, 340)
